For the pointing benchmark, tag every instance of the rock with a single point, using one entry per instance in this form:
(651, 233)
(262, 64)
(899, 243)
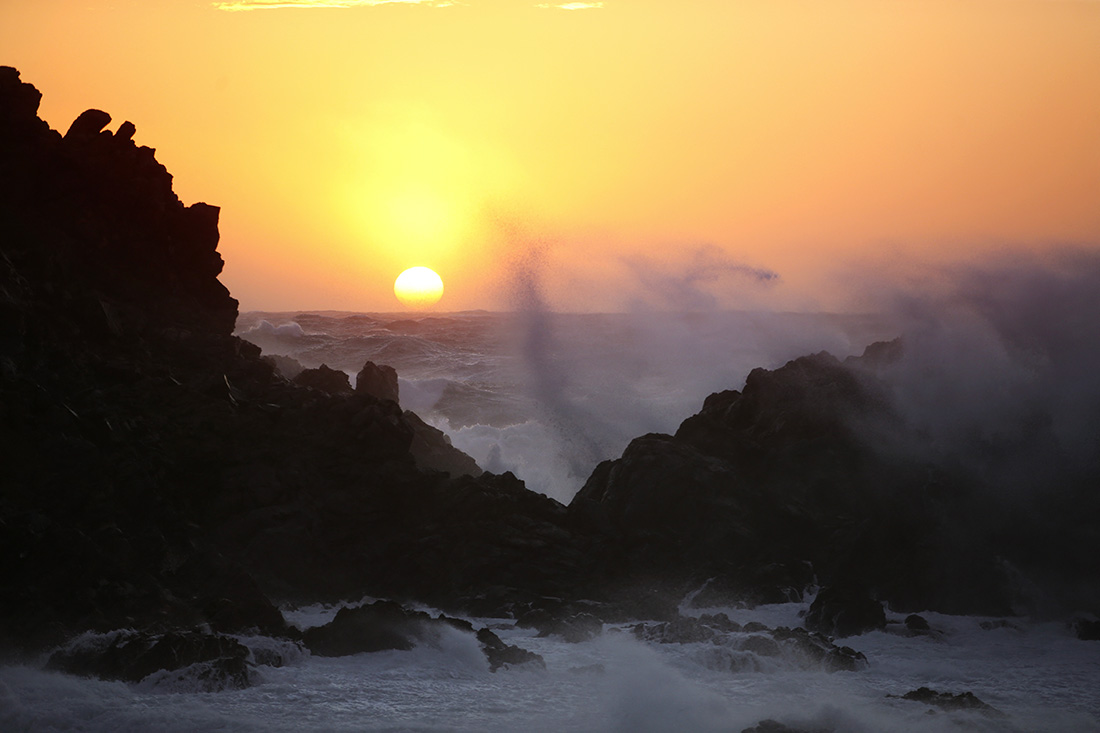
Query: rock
(951, 701)
(286, 366)
(433, 451)
(87, 124)
(126, 130)
(370, 628)
(572, 627)
(913, 622)
(325, 379)
(816, 650)
(683, 630)
(504, 655)
(378, 381)
(762, 646)
(133, 656)
(772, 726)
(1088, 629)
(844, 612)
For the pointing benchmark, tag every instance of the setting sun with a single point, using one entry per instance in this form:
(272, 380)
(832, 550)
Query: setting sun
(418, 287)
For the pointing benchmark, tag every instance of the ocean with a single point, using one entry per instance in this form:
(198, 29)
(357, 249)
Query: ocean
(547, 397)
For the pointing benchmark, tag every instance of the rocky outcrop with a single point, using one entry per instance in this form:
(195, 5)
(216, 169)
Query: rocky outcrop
(378, 381)
(330, 381)
(951, 701)
(384, 625)
(506, 656)
(744, 647)
(844, 612)
(791, 480)
(211, 662)
(433, 450)
(369, 628)
(158, 472)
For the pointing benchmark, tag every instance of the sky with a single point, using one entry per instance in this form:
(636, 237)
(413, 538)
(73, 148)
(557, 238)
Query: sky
(620, 155)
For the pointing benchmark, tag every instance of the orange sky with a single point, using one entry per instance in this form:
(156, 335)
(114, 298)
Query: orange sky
(609, 147)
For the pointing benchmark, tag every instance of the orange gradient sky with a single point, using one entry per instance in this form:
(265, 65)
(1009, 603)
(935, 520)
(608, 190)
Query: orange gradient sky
(614, 148)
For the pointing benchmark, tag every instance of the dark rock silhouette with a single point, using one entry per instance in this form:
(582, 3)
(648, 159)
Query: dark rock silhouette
(161, 475)
(131, 657)
(952, 701)
(504, 655)
(433, 451)
(369, 628)
(325, 379)
(792, 486)
(158, 473)
(845, 612)
(378, 381)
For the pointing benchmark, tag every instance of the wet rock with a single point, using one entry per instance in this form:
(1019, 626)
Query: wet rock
(287, 366)
(815, 649)
(133, 656)
(1088, 629)
(844, 612)
(951, 701)
(369, 628)
(504, 655)
(762, 646)
(772, 726)
(683, 630)
(572, 627)
(377, 380)
(325, 379)
(433, 450)
(913, 622)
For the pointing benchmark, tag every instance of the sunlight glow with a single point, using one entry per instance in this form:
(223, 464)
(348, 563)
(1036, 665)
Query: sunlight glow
(239, 5)
(418, 287)
(571, 6)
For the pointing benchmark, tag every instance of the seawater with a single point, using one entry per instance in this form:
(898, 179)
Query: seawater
(548, 396)
(1038, 675)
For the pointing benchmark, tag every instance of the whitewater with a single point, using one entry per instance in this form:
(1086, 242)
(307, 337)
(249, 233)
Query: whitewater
(1038, 677)
(547, 397)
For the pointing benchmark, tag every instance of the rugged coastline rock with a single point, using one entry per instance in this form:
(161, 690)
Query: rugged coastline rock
(162, 475)
(799, 483)
(159, 473)
(377, 380)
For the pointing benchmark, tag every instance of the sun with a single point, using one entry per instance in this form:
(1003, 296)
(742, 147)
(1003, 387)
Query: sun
(418, 287)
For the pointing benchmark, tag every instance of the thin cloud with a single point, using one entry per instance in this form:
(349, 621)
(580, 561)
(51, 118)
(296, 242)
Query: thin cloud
(240, 5)
(571, 6)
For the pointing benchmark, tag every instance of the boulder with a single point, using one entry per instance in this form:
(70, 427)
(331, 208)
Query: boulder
(504, 655)
(325, 379)
(88, 124)
(132, 656)
(377, 380)
(433, 451)
(841, 612)
(951, 701)
(369, 628)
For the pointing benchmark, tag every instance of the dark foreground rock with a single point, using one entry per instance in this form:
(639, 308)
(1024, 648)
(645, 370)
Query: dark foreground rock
(385, 625)
(844, 612)
(370, 628)
(951, 701)
(158, 472)
(501, 655)
(741, 648)
(212, 662)
(378, 381)
(773, 726)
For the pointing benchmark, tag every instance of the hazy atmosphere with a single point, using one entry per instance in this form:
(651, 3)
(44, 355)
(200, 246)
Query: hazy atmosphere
(348, 140)
(485, 365)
